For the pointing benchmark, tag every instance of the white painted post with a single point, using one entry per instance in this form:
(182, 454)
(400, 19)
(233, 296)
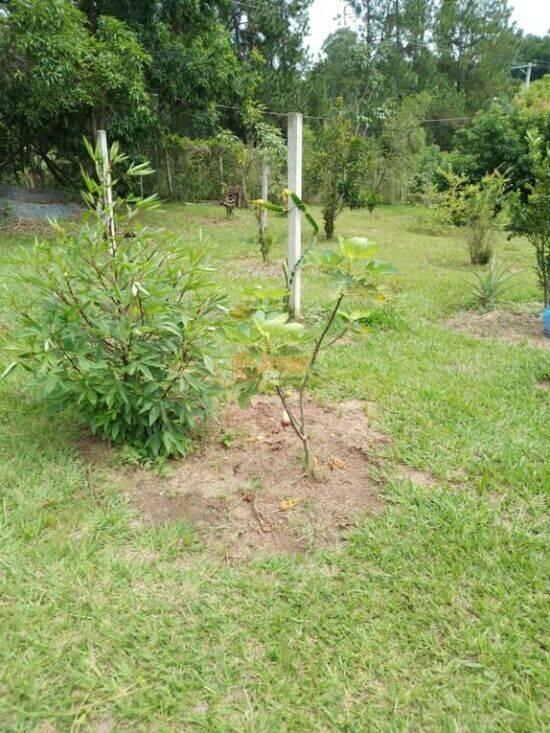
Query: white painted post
(265, 195)
(528, 75)
(169, 175)
(294, 215)
(108, 186)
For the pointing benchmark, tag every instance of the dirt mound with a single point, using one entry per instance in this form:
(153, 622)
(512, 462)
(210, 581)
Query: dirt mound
(511, 326)
(246, 490)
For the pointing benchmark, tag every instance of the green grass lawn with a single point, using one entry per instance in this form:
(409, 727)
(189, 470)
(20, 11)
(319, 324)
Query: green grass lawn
(432, 617)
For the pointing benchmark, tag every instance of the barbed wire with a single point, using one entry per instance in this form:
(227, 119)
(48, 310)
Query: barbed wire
(329, 117)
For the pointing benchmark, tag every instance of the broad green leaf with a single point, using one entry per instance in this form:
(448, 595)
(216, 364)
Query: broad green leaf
(358, 248)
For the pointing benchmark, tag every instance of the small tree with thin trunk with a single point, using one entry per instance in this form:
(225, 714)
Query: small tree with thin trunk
(340, 170)
(532, 217)
(284, 354)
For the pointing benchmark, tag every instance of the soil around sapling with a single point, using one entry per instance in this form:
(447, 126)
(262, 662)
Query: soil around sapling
(520, 326)
(252, 495)
(245, 489)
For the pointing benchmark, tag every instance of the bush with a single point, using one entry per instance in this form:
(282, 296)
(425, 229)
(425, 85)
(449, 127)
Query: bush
(200, 170)
(5, 210)
(120, 327)
(443, 207)
(497, 138)
(482, 202)
(532, 218)
(473, 205)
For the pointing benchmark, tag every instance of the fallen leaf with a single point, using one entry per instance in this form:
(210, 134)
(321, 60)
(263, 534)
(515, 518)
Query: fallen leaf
(289, 504)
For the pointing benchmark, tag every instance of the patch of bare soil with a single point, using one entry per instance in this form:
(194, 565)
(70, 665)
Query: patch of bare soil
(512, 326)
(543, 384)
(420, 478)
(18, 226)
(258, 267)
(253, 496)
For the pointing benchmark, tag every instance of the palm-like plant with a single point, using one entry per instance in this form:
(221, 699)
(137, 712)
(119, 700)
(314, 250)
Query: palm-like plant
(489, 287)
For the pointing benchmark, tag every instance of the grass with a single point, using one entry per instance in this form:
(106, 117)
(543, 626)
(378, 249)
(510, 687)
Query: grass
(431, 618)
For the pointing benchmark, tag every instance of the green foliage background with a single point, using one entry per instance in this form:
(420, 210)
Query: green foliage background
(415, 77)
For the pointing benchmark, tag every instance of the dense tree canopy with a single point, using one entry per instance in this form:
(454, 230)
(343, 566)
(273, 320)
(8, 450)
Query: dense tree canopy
(59, 81)
(412, 75)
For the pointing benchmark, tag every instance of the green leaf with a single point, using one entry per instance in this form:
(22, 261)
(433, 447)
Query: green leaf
(154, 415)
(8, 370)
(302, 207)
(276, 325)
(359, 314)
(358, 248)
(247, 390)
(208, 363)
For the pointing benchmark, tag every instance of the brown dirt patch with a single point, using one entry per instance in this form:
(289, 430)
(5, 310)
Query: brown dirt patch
(253, 496)
(19, 226)
(419, 478)
(512, 326)
(257, 267)
(543, 384)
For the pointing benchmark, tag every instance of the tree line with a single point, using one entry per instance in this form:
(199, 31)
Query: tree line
(407, 78)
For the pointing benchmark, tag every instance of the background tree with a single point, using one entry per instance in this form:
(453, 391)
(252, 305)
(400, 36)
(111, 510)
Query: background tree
(458, 51)
(347, 70)
(476, 46)
(268, 39)
(497, 138)
(531, 217)
(60, 81)
(535, 49)
(340, 168)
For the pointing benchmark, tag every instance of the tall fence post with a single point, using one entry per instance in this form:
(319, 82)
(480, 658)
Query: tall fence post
(169, 175)
(528, 75)
(265, 196)
(108, 189)
(294, 252)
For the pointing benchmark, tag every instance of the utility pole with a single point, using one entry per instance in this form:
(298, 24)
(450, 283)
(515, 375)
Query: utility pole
(295, 123)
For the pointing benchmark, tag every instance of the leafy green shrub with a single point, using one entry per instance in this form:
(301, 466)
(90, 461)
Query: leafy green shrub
(264, 238)
(481, 202)
(489, 287)
(444, 206)
(341, 165)
(532, 218)
(205, 169)
(121, 327)
(473, 205)
(497, 138)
